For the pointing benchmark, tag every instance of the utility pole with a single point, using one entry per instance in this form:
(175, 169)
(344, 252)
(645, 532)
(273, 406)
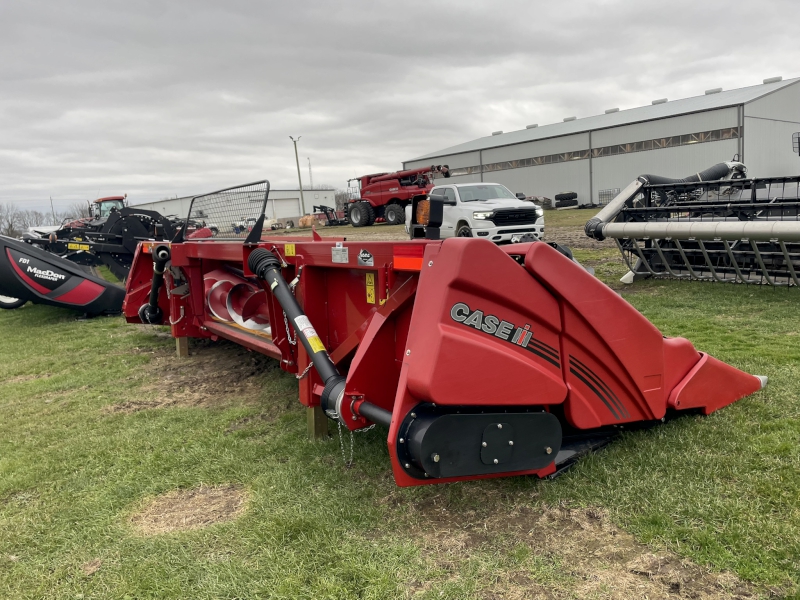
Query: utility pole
(53, 210)
(299, 179)
(310, 176)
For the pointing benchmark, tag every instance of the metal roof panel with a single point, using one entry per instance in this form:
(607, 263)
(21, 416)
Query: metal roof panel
(616, 119)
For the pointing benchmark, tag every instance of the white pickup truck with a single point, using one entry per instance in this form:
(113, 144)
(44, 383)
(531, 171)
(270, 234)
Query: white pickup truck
(487, 210)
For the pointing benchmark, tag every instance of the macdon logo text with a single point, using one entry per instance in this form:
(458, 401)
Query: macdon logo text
(49, 275)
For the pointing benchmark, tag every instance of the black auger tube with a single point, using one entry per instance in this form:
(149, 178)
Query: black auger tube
(151, 312)
(265, 265)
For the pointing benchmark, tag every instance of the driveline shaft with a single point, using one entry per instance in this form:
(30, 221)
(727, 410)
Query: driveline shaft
(151, 312)
(265, 265)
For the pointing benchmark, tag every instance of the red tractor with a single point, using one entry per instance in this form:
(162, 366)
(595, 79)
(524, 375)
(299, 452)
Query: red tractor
(385, 195)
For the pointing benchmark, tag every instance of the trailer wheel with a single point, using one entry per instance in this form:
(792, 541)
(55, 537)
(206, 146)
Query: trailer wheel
(10, 303)
(464, 231)
(394, 214)
(361, 214)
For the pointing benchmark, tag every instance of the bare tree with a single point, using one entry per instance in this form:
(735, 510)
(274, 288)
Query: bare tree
(9, 220)
(78, 210)
(31, 218)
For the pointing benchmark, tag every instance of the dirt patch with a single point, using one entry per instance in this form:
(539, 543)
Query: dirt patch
(91, 567)
(214, 375)
(181, 510)
(569, 553)
(24, 378)
(574, 237)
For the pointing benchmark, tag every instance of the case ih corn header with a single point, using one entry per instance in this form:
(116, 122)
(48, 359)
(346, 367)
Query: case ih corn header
(712, 226)
(481, 361)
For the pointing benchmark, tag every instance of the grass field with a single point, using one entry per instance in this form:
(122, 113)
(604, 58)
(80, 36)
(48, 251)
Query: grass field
(116, 459)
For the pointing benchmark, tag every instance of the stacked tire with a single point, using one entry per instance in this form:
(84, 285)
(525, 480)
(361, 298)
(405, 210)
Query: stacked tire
(566, 199)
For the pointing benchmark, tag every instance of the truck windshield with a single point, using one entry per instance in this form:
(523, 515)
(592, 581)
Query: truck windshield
(474, 193)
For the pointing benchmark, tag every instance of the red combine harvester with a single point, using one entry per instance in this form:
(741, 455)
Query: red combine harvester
(385, 195)
(481, 361)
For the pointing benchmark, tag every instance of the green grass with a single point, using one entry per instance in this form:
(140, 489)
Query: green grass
(723, 490)
(569, 217)
(106, 274)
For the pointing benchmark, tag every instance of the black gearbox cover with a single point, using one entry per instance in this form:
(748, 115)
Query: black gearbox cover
(443, 443)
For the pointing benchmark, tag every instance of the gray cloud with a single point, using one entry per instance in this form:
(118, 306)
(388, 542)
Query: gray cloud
(158, 99)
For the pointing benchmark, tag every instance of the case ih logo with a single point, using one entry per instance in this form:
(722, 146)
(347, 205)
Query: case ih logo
(508, 332)
(461, 313)
(49, 275)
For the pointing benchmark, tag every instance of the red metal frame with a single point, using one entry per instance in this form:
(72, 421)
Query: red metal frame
(459, 322)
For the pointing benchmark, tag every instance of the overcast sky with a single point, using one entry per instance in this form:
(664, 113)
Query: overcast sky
(164, 98)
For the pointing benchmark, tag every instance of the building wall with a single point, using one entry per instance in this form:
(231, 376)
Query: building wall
(311, 197)
(455, 161)
(618, 171)
(283, 204)
(692, 123)
(769, 123)
(566, 143)
(171, 207)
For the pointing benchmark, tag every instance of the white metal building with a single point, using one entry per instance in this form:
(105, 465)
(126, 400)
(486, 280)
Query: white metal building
(281, 205)
(596, 156)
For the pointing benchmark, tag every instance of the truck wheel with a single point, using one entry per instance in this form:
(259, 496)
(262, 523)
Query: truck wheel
(394, 214)
(464, 231)
(10, 303)
(362, 214)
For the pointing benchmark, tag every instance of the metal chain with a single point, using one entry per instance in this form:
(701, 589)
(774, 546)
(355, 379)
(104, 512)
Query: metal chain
(349, 463)
(289, 339)
(305, 372)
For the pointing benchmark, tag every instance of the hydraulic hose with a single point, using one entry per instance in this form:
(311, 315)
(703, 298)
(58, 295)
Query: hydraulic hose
(718, 171)
(151, 312)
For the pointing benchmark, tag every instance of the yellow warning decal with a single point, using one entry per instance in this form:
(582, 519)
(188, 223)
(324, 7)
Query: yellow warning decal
(316, 344)
(288, 250)
(84, 247)
(371, 288)
(303, 326)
